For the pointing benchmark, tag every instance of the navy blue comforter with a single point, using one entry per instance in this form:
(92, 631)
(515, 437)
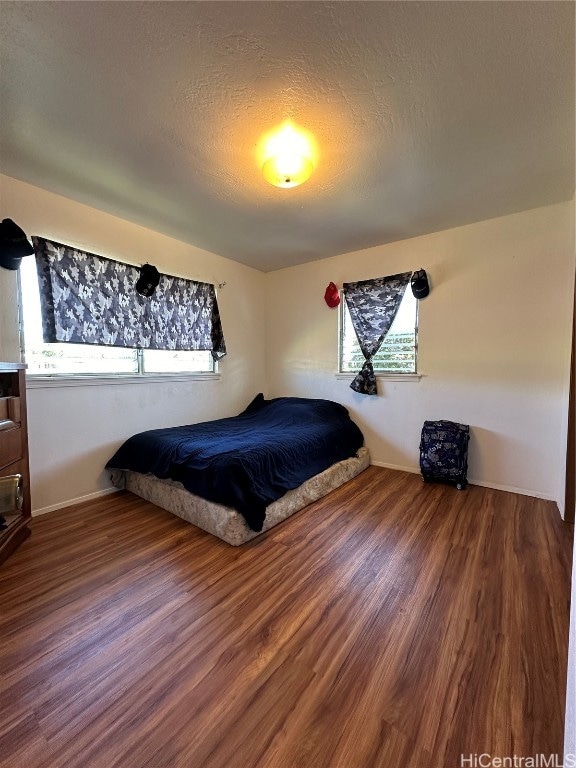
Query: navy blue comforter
(247, 461)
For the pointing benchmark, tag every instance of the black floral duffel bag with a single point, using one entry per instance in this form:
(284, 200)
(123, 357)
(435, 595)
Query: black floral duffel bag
(444, 452)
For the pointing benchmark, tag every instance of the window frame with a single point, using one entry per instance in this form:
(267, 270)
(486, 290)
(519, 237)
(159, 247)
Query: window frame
(380, 374)
(41, 380)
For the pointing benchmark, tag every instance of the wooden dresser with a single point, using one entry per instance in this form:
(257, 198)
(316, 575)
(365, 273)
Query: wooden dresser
(14, 493)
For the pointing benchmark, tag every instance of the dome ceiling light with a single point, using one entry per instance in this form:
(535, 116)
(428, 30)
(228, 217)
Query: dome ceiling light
(287, 156)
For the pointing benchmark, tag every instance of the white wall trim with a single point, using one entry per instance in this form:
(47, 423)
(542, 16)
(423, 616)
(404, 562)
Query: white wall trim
(42, 382)
(513, 489)
(384, 376)
(399, 467)
(412, 470)
(472, 481)
(71, 502)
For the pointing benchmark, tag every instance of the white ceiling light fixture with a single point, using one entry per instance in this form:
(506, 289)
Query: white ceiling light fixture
(287, 156)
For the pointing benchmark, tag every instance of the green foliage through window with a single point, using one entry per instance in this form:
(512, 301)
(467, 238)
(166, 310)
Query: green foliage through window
(398, 353)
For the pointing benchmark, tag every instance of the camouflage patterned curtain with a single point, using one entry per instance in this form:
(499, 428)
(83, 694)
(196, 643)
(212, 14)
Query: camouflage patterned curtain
(88, 299)
(373, 305)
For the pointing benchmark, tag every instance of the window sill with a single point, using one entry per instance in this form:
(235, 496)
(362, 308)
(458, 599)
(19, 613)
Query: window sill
(96, 380)
(387, 376)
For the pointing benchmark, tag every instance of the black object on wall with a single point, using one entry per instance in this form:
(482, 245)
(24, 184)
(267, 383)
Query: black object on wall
(419, 284)
(148, 280)
(13, 245)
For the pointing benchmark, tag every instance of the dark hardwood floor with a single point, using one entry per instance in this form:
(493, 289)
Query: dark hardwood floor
(392, 624)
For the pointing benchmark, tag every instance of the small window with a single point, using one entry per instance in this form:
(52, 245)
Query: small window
(397, 355)
(168, 361)
(88, 359)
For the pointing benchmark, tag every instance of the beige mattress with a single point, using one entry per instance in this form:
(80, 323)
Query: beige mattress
(225, 522)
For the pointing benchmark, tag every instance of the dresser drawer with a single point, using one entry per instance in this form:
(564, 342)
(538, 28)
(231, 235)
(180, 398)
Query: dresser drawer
(10, 409)
(10, 446)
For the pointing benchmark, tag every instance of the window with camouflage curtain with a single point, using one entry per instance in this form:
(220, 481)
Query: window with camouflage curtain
(373, 305)
(89, 299)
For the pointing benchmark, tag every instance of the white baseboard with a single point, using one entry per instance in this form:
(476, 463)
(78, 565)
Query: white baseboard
(386, 465)
(472, 481)
(400, 468)
(513, 489)
(71, 502)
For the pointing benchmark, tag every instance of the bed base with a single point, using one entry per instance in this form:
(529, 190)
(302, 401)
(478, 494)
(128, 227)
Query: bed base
(225, 522)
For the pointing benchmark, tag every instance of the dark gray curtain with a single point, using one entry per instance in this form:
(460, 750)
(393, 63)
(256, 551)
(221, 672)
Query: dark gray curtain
(373, 305)
(88, 299)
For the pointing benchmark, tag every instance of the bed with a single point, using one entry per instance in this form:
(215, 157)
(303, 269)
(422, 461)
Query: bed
(237, 477)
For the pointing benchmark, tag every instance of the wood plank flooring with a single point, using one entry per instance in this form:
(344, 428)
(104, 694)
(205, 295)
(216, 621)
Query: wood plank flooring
(391, 624)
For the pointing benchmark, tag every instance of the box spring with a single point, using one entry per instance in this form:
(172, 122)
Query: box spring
(225, 522)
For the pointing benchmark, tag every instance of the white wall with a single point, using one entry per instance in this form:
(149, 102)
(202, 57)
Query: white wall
(493, 342)
(9, 339)
(74, 430)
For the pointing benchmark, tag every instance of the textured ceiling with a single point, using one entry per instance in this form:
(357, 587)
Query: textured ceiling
(427, 115)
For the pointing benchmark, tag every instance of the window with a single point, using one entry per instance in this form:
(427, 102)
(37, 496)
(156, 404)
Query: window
(397, 355)
(169, 361)
(87, 359)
